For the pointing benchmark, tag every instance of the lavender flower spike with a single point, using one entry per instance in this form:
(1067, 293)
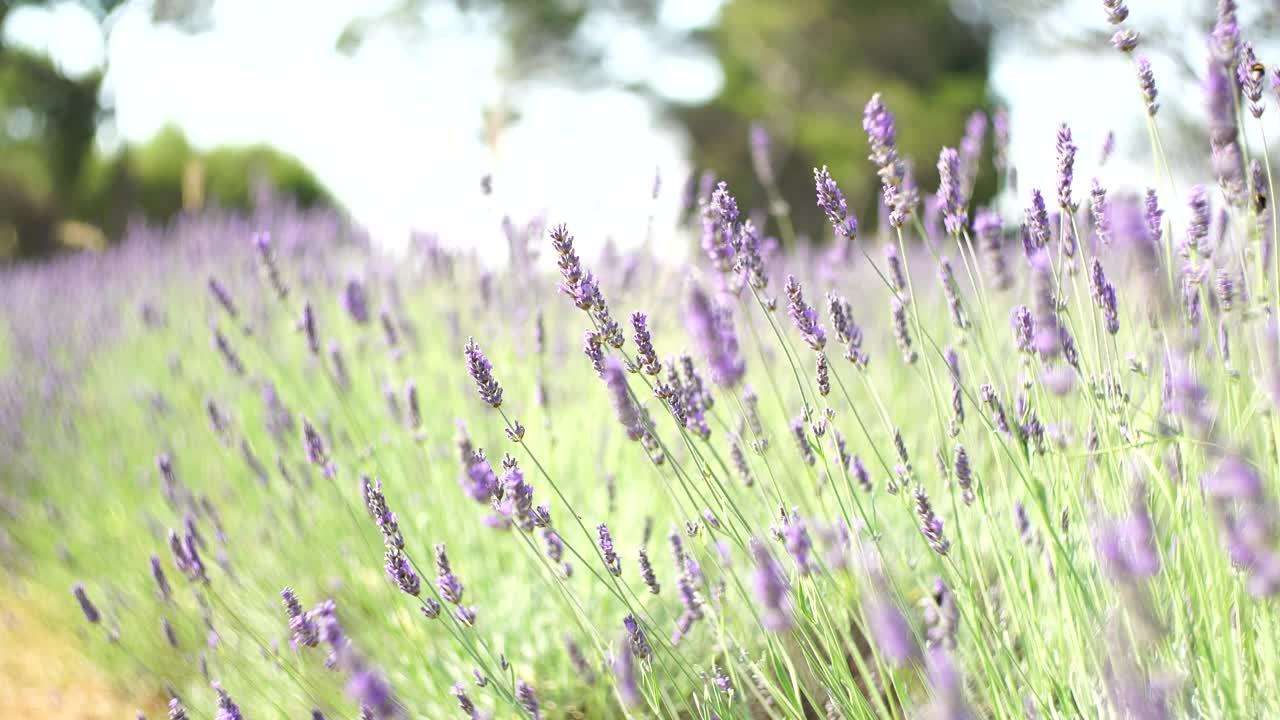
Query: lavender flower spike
(770, 586)
(86, 605)
(528, 700)
(220, 293)
(1116, 11)
(162, 582)
(711, 326)
(832, 201)
(893, 637)
(1251, 73)
(267, 258)
(1147, 81)
(611, 560)
(305, 631)
(307, 324)
(355, 301)
(227, 708)
(1126, 41)
(951, 192)
(804, 316)
(624, 672)
(1066, 168)
(449, 585)
(481, 370)
(628, 414)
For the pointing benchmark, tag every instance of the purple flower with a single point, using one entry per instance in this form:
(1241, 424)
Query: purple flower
(802, 441)
(401, 572)
(1128, 546)
(525, 696)
(930, 523)
(952, 293)
(901, 334)
(624, 406)
(1116, 11)
(313, 444)
(186, 556)
(176, 710)
(611, 560)
(374, 695)
(1066, 168)
(795, 538)
(162, 582)
(1147, 81)
(989, 229)
(832, 202)
(227, 708)
(267, 259)
(891, 633)
(847, 330)
(593, 348)
(340, 376)
(459, 691)
(220, 293)
(1225, 38)
(758, 138)
(975, 130)
(963, 474)
(1250, 74)
(1154, 216)
(355, 301)
(375, 503)
(1233, 479)
(449, 585)
(1198, 221)
(646, 572)
(878, 123)
(646, 357)
(1000, 142)
(1038, 221)
(86, 605)
(624, 673)
(481, 370)
(636, 638)
(1126, 41)
(307, 324)
(477, 479)
(804, 316)
(228, 353)
(711, 326)
(950, 191)
(948, 687)
(897, 275)
(430, 608)
(770, 586)
(305, 631)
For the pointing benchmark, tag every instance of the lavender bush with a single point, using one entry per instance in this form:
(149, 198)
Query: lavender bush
(1010, 467)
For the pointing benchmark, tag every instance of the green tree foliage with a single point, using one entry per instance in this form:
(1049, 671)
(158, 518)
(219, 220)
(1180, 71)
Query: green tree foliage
(52, 176)
(806, 68)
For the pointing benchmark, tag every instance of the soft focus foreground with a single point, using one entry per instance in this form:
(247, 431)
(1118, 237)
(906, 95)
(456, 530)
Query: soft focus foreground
(956, 467)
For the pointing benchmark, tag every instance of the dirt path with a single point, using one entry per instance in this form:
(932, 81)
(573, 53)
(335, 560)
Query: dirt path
(45, 674)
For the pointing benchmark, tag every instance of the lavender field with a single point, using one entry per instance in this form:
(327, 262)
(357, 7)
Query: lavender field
(950, 463)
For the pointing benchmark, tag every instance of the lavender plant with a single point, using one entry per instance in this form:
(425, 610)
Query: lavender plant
(1103, 462)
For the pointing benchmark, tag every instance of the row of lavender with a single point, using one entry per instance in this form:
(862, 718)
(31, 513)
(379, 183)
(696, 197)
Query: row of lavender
(1095, 385)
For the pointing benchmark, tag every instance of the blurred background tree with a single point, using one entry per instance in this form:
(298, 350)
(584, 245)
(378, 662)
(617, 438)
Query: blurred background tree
(803, 68)
(59, 190)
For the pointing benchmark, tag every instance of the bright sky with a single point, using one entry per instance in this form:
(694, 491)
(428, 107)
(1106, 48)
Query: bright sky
(394, 131)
